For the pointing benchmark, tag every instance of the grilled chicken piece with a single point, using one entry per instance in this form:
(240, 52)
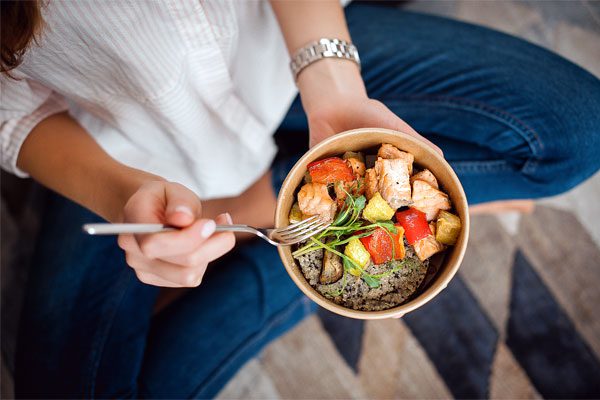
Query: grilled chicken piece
(370, 183)
(314, 199)
(393, 181)
(358, 167)
(433, 227)
(388, 151)
(425, 176)
(428, 199)
(427, 247)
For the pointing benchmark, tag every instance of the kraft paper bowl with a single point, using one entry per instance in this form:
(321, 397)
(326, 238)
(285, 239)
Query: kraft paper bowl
(425, 157)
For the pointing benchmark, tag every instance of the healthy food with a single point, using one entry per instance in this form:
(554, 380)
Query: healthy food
(388, 220)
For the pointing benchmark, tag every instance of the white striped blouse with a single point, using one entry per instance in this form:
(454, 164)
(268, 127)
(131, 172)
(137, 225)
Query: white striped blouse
(189, 90)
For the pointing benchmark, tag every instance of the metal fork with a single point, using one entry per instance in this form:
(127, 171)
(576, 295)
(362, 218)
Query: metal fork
(291, 234)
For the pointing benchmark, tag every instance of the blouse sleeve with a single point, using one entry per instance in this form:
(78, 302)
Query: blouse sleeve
(23, 104)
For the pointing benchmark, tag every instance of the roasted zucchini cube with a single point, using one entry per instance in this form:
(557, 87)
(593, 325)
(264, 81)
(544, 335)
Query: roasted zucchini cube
(448, 228)
(378, 209)
(357, 252)
(295, 214)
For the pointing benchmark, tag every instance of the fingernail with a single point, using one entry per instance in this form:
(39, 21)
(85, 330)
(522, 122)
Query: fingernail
(208, 228)
(185, 210)
(228, 219)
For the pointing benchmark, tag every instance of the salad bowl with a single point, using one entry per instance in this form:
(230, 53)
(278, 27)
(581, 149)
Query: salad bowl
(424, 157)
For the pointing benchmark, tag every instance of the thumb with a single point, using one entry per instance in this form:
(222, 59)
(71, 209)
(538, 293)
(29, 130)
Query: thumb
(183, 207)
(319, 130)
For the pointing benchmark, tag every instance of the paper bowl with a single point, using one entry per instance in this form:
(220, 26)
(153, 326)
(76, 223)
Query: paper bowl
(425, 157)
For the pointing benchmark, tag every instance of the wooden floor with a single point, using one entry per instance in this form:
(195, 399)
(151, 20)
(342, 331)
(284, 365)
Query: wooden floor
(396, 360)
(399, 358)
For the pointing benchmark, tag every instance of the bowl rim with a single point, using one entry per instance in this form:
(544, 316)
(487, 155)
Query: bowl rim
(402, 309)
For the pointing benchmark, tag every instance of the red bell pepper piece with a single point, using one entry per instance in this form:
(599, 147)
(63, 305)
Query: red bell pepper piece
(379, 245)
(399, 242)
(330, 170)
(414, 223)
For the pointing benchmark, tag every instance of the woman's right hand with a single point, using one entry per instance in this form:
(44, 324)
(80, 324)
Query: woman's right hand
(177, 258)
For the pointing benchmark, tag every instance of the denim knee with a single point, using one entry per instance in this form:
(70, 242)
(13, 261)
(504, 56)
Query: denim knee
(570, 138)
(530, 115)
(560, 103)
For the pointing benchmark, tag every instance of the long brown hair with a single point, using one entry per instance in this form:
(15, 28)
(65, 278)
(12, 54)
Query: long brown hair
(20, 25)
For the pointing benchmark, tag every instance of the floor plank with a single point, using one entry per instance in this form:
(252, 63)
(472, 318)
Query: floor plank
(583, 202)
(305, 364)
(251, 382)
(511, 17)
(487, 266)
(544, 340)
(568, 261)
(509, 381)
(394, 365)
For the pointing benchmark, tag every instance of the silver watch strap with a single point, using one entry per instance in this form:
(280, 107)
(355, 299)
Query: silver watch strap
(323, 48)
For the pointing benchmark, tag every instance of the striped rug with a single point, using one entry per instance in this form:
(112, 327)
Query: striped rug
(520, 320)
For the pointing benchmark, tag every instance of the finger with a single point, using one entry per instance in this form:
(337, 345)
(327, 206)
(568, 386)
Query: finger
(156, 272)
(224, 219)
(128, 243)
(147, 204)
(165, 203)
(318, 131)
(182, 205)
(221, 243)
(137, 262)
(178, 275)
(151, 279)
(218, 246)
(183, 241)
(214, 247)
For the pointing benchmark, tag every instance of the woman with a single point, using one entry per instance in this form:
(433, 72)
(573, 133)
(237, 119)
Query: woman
(164, 112)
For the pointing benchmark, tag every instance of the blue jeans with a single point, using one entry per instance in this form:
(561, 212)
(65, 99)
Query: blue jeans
(515, 121)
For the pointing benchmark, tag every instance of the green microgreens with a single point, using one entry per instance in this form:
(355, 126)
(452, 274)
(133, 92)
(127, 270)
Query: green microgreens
(371, 281)
(342, 230)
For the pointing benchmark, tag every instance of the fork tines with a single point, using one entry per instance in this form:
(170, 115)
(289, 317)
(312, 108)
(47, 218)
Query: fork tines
(302, 230)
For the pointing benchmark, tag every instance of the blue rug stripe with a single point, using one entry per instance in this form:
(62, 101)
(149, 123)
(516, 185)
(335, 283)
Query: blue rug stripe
(346, 334)
(545, 342)
(459, 339)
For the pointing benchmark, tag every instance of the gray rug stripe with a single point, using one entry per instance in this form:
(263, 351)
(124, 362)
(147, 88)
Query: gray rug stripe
(459, 339)
(543, 339)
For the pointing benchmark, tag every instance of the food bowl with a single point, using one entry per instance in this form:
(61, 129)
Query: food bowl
(425, 157)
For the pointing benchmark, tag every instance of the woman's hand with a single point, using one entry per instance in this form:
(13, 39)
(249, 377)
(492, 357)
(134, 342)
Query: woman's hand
(335, 100)
(178, 258)
(332, 91)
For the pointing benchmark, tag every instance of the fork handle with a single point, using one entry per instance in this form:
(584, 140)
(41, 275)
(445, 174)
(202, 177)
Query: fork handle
(117, 229)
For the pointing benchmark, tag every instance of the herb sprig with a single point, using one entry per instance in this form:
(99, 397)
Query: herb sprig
(341, 231)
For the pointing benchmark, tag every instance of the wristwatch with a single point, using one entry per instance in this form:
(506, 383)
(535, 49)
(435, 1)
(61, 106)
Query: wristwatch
(323, 48)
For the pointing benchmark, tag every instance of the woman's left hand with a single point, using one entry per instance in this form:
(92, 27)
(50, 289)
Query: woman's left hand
(335, 100)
